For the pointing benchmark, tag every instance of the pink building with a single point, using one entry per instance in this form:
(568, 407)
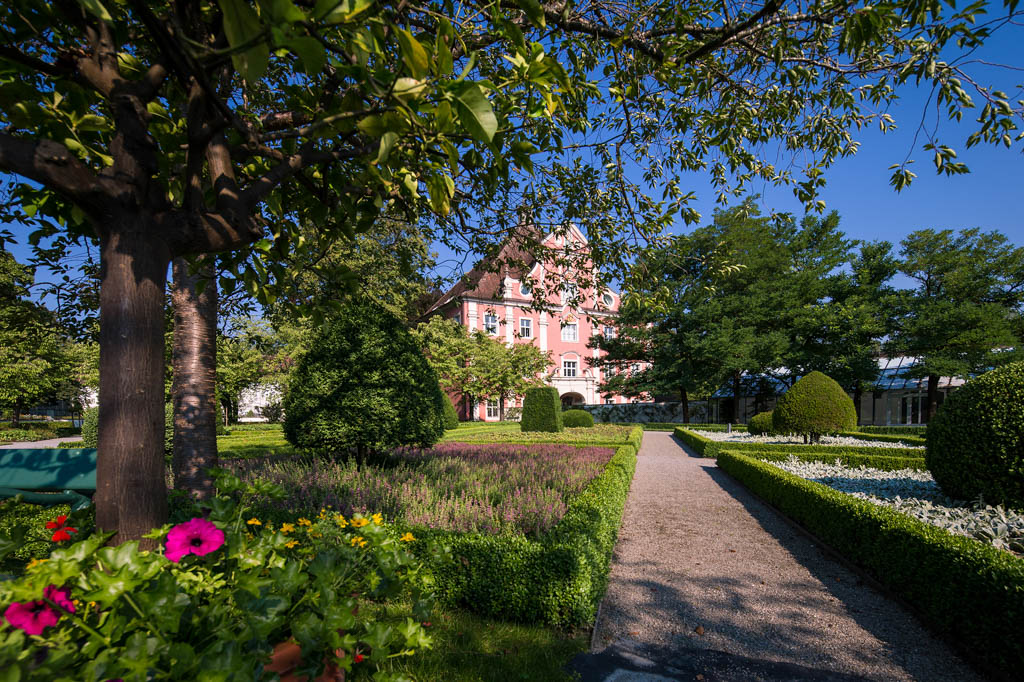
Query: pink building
(499, 304)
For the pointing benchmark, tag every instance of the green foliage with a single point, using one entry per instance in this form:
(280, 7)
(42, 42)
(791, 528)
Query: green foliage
(542, 410)
(90, 427)
(915, 431)
(609, 435)
(364, 388)
(32, 518)
(815, 405)
(761, 424)
(451, 417)
(966, 590)
(909, 439)
(247, 594)
(885, 462)
(711, 448)
(558, 579)
(975, 442)
(168, 432)
(577, 418)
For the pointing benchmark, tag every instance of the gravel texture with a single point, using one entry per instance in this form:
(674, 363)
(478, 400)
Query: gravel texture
(702, 568)
(743, 437)
(916, 493)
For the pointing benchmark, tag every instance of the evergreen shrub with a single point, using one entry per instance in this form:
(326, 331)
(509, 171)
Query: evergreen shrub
(90, 427)
(542, 410)
(451, 417)
(364, 388)
(975, 442)
(761, 424)
(814, 406)
(577, 419)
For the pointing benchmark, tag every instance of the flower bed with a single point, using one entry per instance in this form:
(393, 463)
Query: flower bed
(842, 441)
(708, 446)
(453, 486)
(915, 493)
(966, 590)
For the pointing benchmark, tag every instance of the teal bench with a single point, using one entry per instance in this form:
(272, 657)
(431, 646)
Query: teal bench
(49, 476)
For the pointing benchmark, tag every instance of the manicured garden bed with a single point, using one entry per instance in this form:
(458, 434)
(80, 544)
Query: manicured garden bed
(708, 447)
(967, 590)
(597, 435)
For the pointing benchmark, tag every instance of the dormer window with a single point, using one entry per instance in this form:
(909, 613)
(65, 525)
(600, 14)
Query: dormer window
(525, 289)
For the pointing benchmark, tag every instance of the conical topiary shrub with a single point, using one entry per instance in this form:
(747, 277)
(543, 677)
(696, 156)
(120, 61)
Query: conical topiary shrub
(815, 405)
(761, 424)
(975, 442)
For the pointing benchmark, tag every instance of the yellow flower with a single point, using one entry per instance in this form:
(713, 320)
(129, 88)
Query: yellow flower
(363, 543)
(287, 527)
(359, 523)
(377, 519)
(254, 522)
(357, 540)
(291, 543)
(303, 521)
(407, 538)
(340, 520)
(314, 534)
(36, 562)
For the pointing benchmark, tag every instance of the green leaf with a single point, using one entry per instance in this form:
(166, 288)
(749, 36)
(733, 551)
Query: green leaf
(310, 51)
(533, 11)
(413, 54)
(242, 25)
(387, 141)
(408, 87)
(339, 11)
(96, 8)
(476, 113)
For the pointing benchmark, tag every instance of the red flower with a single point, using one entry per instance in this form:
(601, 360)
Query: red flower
(60, 531)
(358, 658)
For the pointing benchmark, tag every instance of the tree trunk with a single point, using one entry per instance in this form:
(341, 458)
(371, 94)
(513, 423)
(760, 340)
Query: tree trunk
(131, 496)
(858, 394)
(736, 398)
(686, 405)
(16, 414)
(501, 408)
(195, 377)
(933, 397)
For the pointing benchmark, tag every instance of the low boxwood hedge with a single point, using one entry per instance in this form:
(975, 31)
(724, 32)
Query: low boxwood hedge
(909, 439)
(672, 426)
(558, 579)
(712, 448)
(968, 591)
(850, 459)
(911, 430)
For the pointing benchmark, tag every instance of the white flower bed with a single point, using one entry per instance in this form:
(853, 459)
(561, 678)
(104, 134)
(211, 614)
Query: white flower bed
(738, 437)
(916, 493)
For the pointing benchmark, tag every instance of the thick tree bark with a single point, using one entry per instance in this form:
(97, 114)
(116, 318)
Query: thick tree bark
(685, 396)
(933, 397)
(131, 497)
(195, 375)
(736, 397)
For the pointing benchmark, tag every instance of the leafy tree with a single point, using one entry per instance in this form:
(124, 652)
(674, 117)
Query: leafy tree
(169, 130)
(36, 360)
(969, 291)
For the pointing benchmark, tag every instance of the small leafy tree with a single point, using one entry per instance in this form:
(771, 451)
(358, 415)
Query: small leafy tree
(815, 405)
(364, 388)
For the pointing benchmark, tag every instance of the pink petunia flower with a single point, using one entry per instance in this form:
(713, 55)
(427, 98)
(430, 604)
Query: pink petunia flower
(198, 536)
(35, 616)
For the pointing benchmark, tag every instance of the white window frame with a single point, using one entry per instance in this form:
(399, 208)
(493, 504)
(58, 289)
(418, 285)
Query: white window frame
(575, 336)
(490, 328)
(457, 317)
(493, 409)
(574, 369)
(525, 328)
(570, 291)
(609, 331)
(609, 400)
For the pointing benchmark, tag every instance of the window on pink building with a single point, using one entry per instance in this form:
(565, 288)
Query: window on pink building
(571, 332)
(491, 324)
(525, 328)
(569, 368)
(492, 409)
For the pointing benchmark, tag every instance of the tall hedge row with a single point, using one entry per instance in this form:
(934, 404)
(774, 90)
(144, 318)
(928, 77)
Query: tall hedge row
(542, 410)
(968, 591)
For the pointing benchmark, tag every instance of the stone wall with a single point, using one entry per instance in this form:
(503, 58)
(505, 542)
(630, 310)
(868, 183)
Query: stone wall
(645, 413)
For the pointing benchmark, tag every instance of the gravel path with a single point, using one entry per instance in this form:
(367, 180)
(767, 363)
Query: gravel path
(50, 443)
(701, 567)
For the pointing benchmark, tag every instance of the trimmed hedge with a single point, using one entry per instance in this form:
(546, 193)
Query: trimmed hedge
(542, 410)
(966, 590)
(671, 426)
(712, 448)
(815, 405)
(917, 430)
(558, 579)
(451, 417)
(577, 419)
(579, 439)
(850, 459)
(761, 424)
(885, 438)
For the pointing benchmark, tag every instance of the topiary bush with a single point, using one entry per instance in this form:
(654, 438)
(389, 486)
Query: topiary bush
(451, 417)
(90, 427)
(577, 419)
(814, 406)
(542, 410)
(364, 388)
(975, 442)
(761, 424)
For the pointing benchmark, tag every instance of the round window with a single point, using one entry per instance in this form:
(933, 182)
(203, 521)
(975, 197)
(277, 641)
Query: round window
(525, 289)
(608, 300)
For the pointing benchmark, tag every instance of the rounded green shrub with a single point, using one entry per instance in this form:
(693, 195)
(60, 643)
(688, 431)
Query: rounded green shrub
(761, 424)
(975, 442)
(815, 405)
(451, 417)
(577, 418)
(91, 427)
(364, 388)
(542, 410)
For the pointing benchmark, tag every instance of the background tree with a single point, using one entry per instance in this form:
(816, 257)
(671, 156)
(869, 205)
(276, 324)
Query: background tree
(968, 297)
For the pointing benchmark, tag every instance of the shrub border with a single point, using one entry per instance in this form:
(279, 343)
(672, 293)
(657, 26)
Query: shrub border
(969, 592)
(712, 448)
(558, 579)
(885, 438)
(850, 459)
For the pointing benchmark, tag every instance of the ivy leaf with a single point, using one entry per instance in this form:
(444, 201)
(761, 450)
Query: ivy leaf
(475, 112)
(241, 25)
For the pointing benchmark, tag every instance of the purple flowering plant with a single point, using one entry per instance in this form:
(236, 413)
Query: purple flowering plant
(220, 591)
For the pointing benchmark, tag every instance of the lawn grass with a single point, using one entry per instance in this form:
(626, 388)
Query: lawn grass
(605, 435)
(471, 648)
(244, 443)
